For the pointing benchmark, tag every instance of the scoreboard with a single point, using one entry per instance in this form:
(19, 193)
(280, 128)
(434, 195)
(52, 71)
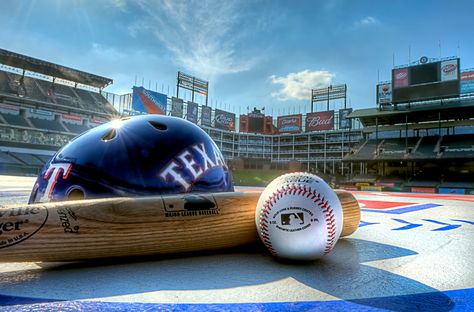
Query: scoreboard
(426, 81)
(256, 123)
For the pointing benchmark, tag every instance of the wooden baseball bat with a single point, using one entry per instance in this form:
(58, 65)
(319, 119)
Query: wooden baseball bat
(104, 228)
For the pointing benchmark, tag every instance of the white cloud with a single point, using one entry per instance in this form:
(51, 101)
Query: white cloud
(297, 86)
(200, 35)
(367, 21)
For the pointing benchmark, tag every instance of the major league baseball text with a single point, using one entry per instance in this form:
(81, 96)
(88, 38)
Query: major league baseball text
(299, 217)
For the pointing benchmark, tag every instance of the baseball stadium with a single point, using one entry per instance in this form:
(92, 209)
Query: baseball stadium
(421, 140)
(398, 174)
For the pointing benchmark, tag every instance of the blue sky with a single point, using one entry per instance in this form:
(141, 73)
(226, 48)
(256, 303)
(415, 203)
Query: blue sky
(254, 53)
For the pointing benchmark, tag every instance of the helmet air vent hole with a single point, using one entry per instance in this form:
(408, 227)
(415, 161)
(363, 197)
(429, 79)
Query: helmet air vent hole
(75, 194)
(158, 125)
(110, 135)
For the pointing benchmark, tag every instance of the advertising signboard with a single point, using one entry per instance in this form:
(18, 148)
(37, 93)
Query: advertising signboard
(206, 119)
(224, 120)
(384, 93)
(467, 82)
(97, 121)
(43, 114)
(289, 123)
(448, 190)
(320, 121)
(400, 78)
(192, 112)
(9, 109)
(430, 190)
(344, 122)
(176, 107)
(72, 119)
(147, 101)
(449, 70)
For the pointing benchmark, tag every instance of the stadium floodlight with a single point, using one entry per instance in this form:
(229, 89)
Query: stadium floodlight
(192, 84)
(328, 94)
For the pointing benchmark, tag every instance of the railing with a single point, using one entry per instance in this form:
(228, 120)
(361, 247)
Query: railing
(33, 137)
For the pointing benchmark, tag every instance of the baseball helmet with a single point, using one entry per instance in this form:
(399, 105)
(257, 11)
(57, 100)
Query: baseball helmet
(134, 156)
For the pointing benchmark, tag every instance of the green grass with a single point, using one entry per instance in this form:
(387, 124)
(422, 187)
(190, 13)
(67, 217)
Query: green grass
(255, 177)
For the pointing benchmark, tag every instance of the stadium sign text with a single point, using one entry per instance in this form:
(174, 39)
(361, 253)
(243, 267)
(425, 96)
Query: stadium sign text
(318, 121)
(224, 120)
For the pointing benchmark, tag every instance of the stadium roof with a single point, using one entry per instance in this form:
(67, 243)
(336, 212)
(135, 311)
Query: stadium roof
(458, 109)
(50, 69)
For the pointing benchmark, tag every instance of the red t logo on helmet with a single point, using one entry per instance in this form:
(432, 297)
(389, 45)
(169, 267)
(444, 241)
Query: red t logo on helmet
(52, 175)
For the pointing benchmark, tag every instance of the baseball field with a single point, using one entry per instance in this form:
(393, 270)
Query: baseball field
(411, 252)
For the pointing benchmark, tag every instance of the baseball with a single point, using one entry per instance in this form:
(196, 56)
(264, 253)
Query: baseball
(298, 216)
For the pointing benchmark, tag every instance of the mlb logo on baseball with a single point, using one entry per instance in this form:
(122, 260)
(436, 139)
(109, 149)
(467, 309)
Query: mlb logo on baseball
(292, 218)
(299, 217)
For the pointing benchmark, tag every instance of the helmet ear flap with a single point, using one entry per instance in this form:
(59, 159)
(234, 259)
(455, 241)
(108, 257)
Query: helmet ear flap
(33, 194)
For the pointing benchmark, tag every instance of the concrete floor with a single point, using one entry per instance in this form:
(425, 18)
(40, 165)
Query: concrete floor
(411, 252)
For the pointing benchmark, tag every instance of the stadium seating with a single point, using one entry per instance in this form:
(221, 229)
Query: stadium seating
(366, 178)
(457, 184)
(93, 101)
(63, 91)
(47, 124)
(456, 142)
(429, 147)
(5, 85)
(7, 158)
(24, 162)
(45, 91)
(396, 148)
(15, 120)
(42, 124)
(32, 89)
(365, 151)
(45, 86)
(27, 88)
(75, 128)
(429, 181)
(457, 146)
(27, 159)
(426, 148)
(84, 96)
(43, 158)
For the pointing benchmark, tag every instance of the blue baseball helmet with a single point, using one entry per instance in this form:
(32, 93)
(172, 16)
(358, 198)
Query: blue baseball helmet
(134, 156)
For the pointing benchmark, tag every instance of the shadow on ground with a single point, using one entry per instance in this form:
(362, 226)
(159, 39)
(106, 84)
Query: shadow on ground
(341, 274)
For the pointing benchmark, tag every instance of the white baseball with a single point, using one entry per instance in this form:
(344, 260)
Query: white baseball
(299, 217)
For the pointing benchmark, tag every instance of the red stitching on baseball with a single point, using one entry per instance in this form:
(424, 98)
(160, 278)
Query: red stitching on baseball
(308, 192)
